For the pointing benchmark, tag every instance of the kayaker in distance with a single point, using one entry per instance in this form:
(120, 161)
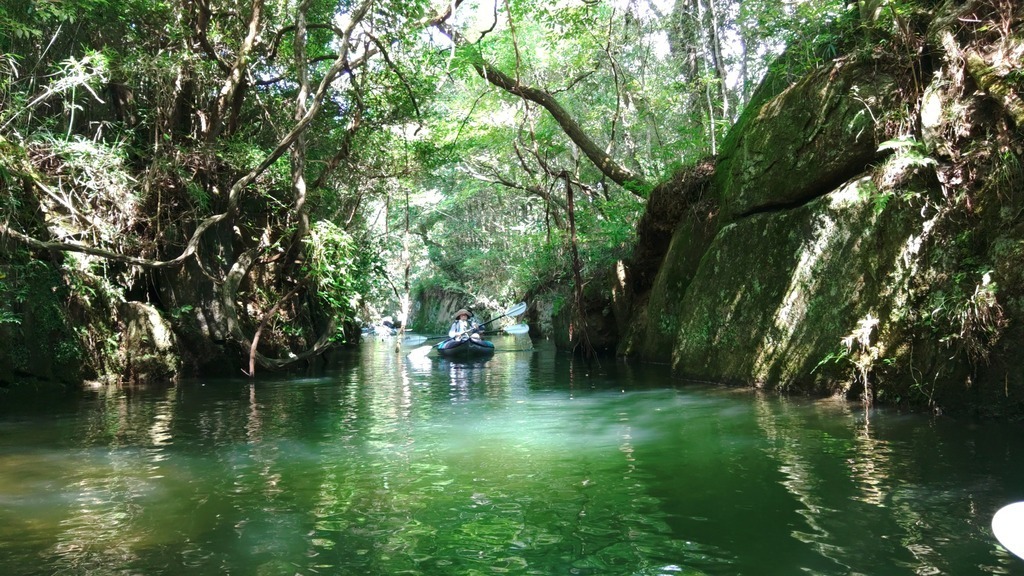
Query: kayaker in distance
(464, 322)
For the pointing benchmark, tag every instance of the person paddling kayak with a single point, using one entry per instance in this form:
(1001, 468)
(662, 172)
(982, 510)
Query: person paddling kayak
(464, 325)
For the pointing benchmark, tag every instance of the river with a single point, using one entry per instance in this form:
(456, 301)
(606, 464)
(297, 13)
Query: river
(528, 463)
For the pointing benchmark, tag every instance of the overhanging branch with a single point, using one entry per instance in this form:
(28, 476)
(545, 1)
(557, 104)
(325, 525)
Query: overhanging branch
(601, 159)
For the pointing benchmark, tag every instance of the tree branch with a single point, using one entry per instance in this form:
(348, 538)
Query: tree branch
(229, 292)
(263, 324)
(340, 64)
(604, 162)
(398, 72)
(238, 71)
(493, 177)
(200, 23)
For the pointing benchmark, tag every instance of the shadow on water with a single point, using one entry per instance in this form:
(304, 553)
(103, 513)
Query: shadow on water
(526, 462)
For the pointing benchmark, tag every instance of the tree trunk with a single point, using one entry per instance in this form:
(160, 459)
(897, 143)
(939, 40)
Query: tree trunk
(298, 151)
(715, 42)
(578, 321)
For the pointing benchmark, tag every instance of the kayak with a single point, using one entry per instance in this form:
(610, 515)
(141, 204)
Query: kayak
(469, 347)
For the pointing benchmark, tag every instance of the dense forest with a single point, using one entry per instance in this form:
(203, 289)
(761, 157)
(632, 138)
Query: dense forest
(207, 186)
(276, 172)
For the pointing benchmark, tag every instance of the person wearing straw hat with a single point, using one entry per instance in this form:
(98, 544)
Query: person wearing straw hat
(464, 325)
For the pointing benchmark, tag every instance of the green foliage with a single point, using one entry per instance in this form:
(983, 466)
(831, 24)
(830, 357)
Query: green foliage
(115, 123)
(1008, 173)
(968, 315)
(339, 270)
(909, 156)
(87, 73)
(610, 72)
(909, 150)
(16, 29)
(34, 298)
(840, 355)
(12, 295)
(818, 32)
(25, 20)
(331, 259)
(474, 249)
(96, 191)
(182, 311)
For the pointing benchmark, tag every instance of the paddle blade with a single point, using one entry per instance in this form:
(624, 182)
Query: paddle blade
(516, 310)
(420, 352)
(517, 329)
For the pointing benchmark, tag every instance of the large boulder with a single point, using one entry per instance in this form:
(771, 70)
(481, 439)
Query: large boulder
(149, 347)
(815, 135)
(846, 247)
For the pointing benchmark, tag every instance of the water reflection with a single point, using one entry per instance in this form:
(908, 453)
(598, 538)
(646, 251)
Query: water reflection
(871, 465)
(785, 445)
(526, 462)
(468, 379)
(858, 490)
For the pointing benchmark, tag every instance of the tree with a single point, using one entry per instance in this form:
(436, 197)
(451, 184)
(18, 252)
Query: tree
(228, 159)
(216, 145)
(569, 77)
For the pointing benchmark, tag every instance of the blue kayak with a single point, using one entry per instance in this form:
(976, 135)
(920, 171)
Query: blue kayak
(465, 348)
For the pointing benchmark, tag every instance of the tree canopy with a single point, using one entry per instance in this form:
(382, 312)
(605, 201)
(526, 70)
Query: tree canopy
(301, 165)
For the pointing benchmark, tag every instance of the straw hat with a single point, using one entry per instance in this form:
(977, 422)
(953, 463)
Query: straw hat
(461, 312)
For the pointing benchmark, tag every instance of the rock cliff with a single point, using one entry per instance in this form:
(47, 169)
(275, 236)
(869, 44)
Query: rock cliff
(860, 233)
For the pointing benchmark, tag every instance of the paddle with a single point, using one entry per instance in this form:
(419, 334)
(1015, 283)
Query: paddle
(513, 329)
(513, 311)
(1008, 527)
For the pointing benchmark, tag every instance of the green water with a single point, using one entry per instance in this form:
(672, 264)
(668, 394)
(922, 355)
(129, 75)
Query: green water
(526, 464)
